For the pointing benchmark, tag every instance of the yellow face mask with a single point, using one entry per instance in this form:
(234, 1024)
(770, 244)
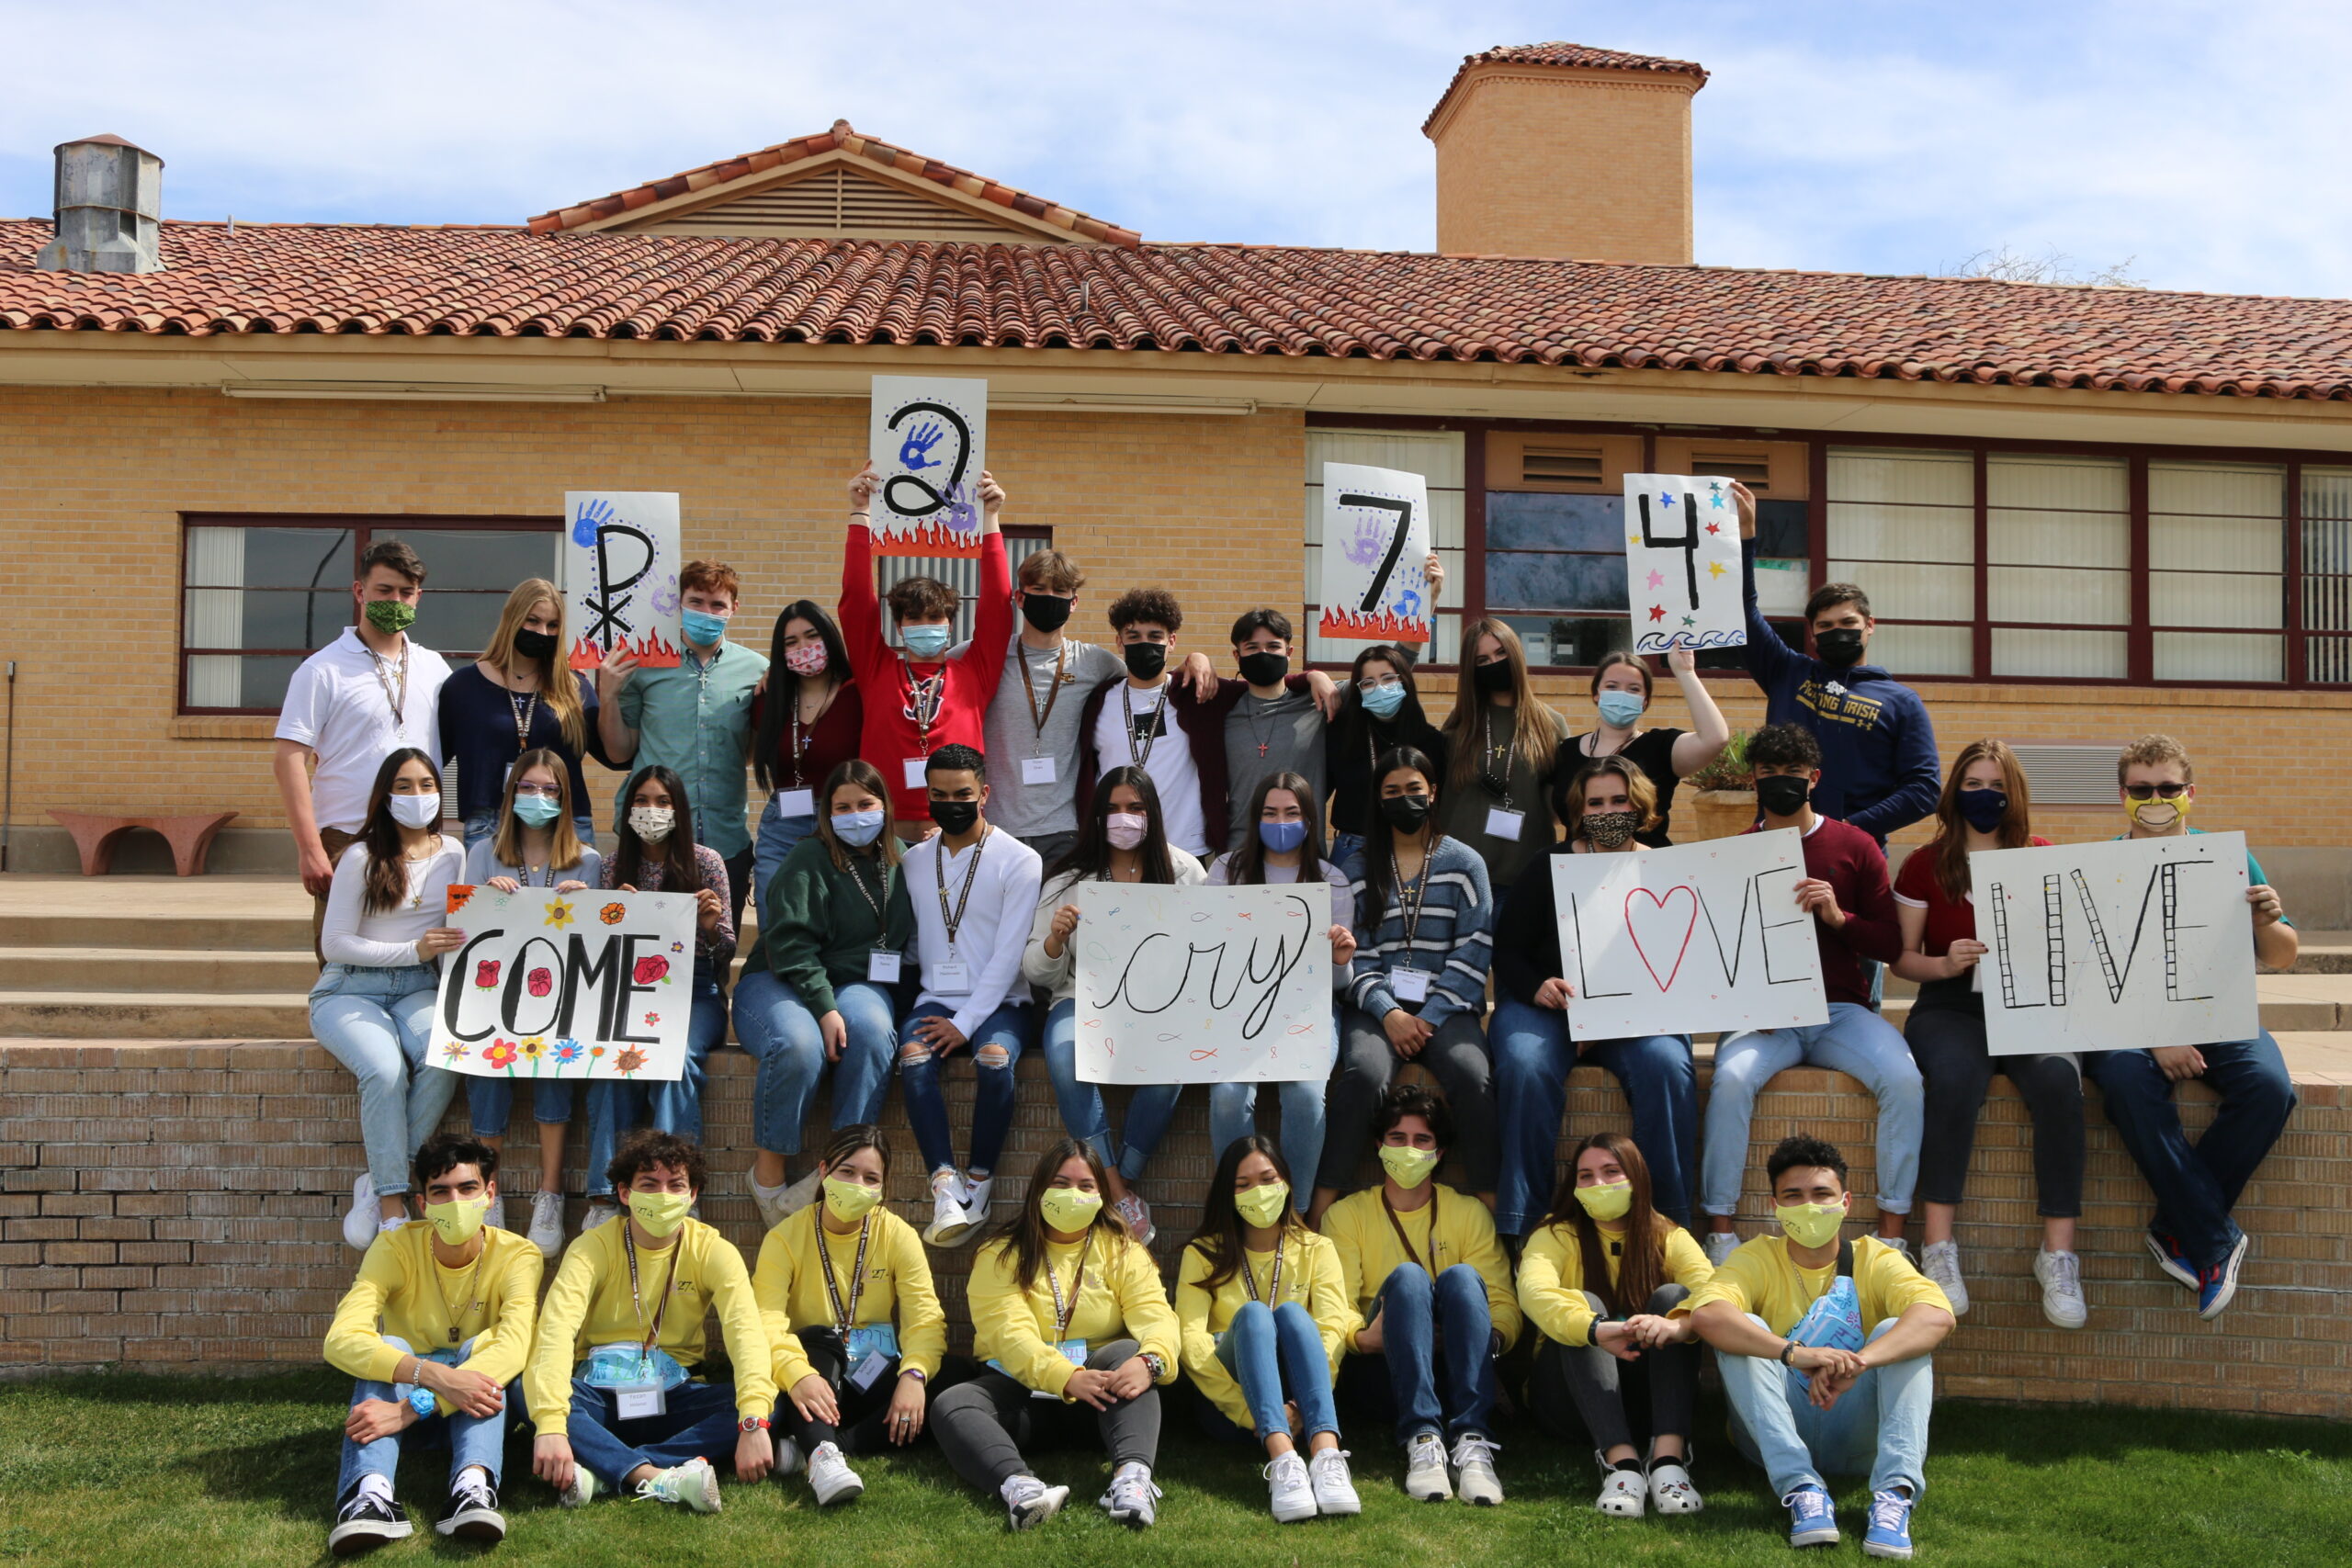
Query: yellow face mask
(1068, 1210)
(848, 1201)
(1408, 1166)
(1810, 1224)
(1262, 1205)
(457, 1221)
(1607, 1200)
(2156, 814)
(661, 1212)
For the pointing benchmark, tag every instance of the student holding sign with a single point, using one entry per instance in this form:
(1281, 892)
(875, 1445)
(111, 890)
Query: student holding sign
(853, 1321)
(2192, 1236)
(809, 721)
(1503, 745)
(1985, 805)
(818, 991)
(1823, 1344)
(1845, 890)
(1068, 1313)
(1265, 1320)
(1379, 711)
(1125, 840)
(1621, 689)
(1607, 805)
(520, 696)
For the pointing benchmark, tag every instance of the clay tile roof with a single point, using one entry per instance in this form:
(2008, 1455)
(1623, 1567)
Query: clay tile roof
(842, 137)
(1242, 299)
(1574, 54)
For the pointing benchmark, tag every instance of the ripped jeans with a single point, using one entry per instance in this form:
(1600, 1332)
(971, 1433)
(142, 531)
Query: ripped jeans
(994, 1049)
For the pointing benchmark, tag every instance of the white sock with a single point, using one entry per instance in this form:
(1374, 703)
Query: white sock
(1020, 1489)
(764, 1190)
(374, 1486)
(480, 1474)
(392, 1223)
(1137, 1468)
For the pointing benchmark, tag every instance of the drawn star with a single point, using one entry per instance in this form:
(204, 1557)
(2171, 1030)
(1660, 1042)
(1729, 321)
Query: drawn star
(1715, 527)
(1657, 612)
(1632, 538)
(1666, 501)
(1718, 495)
(1690, 620)
(1657, 579)
(1714, 568)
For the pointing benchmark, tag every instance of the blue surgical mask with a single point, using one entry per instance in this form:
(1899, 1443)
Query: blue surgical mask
(1282, 837)
(537, 810)
(1382, 701)
(1619, 709)
(702, 630)
(857, 829)
(926, 642)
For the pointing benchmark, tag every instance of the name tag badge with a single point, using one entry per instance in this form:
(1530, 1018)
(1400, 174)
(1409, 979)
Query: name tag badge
(882, 969)
(914, 772)
(1503, 824)
(872, 1366)
(1037, 770)
(795, 803)
(1408, 985)
(952, 979)
(1074, 1352)
(639, 1401)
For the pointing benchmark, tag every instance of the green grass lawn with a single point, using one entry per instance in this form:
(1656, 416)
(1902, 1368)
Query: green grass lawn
(189, 1472)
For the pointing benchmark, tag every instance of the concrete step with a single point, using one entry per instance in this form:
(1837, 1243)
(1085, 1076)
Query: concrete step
(231, 931)
(2296, 1002)
(140, 970)
(156, 1015)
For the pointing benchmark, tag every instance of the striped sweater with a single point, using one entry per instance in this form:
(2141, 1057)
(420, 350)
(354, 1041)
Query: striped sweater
(1450, 941)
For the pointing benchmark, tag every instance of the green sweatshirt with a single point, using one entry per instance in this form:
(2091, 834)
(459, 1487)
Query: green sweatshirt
(825, 928)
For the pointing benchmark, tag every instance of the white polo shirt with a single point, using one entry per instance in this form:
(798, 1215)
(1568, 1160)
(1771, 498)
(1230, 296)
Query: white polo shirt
(337, 705)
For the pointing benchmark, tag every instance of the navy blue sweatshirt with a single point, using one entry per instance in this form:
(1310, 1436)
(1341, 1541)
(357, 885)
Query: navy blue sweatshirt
(1878, 750)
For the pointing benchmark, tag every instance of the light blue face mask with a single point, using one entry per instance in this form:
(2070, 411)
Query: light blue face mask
(537, 810)
(926, 642)
(1382, 701)
(1620, 709)
(702, 630)
(1282, 837)
(857, 829)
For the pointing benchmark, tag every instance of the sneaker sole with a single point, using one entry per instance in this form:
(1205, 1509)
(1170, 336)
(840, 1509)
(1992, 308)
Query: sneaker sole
(847, 1491)
(1814, 1538)
(1347, 1508)
(1893, 1553)
(350, 1540)
(474, 1524)
(1038, 1512)
(1292, 1514)
(1429, 1496)
(2164, 1264)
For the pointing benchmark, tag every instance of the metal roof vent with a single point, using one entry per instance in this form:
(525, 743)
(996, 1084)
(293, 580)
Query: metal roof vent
(109, 208)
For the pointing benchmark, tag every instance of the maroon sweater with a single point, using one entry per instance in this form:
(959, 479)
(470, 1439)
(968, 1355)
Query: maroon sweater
(1202, 722)
(1851, 862)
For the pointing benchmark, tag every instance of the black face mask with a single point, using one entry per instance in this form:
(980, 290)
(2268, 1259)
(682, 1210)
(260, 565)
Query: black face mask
(1044, 611)
(1491, 678)
(1840, 647)
(535, 644)
(1145, 659)
(1783, 794)
(1407, 813)
(1264, 669)
(955, 816)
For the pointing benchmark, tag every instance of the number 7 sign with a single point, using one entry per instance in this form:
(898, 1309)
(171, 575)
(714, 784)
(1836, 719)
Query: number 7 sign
(1682, 577)
(1375, 553)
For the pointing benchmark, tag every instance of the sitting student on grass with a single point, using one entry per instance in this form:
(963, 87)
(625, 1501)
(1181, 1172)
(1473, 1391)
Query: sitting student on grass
(609, 1386)
(1823, 1344)
(435, 1327)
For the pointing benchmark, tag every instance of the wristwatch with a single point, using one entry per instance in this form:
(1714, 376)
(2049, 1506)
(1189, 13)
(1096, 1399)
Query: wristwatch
(749, 1424)
(1790, 1348)
(1154, 1365)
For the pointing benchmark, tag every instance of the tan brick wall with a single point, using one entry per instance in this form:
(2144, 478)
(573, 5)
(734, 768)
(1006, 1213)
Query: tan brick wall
(166, 1205)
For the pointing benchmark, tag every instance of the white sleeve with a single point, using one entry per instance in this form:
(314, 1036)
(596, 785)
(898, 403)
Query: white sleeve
(1187, 866)
(339, 938)
(996, 979)
(303, 714)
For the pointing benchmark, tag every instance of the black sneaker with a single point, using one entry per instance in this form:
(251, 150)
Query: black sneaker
(365, 1523)
(472, 1513)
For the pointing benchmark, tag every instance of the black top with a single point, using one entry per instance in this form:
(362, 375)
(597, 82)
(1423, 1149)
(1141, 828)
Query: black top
(1526, 934)
(1652, 751)
(478, 733)
(1347, 755)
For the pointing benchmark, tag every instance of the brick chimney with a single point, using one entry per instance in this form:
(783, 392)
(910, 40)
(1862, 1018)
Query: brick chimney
(1557, 149)
(109, 208)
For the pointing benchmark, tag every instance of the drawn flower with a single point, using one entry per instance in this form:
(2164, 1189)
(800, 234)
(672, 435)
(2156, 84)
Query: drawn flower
(454, 1053)
(613, 914)
(630, 1060)
(567, 1051)
(486, 974)
(651, 969)
(559, 913)
(501, 1054)
(677, 947)
(533, 1047)
(541, 982)
(595, 1051)
(652, 1019)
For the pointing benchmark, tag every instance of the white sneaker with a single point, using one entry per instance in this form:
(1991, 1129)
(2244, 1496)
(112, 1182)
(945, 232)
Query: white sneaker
(1474, 1480)
(368, 1520)
(1670, 1488)
(768, 1201)
(1721, 1245)
(950, 1221)
(547, 1224)
(2061, 1274)
(599, 1211)
(1899, 1244)
(1425, 1479)
(693, 1483)
(830, 1477)
(1939, 1261)
(1029, 1502)
(1334, 1489)
(1287, 1488)
(359, 1225)
(582, 1488)
(1138, 1215)
(802, 1193)
(1621, 1493)
(1132, 1499)
(976, 1197)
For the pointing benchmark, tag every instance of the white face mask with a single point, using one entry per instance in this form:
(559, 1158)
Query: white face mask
(416, 810)
(651, 823)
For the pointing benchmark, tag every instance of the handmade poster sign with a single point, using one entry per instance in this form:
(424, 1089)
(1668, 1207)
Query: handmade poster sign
(1375, 555)
(620, 575)
(928, 437)
(1683, 563)
(2123, 944)
(1680, 941)
(566, 985)
(1204, 985)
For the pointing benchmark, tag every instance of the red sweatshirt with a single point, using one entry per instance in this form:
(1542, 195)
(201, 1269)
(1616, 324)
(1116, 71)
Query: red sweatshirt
(1851, 862)
(885, 678)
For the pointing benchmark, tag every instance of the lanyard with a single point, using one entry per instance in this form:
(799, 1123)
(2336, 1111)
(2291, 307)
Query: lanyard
(1398, 1226)
(1159, 722)
(1497, 783)
(881, 921)
(637, 1302)
(939, 859)
(1062, 1315)
(526, 707)
(1408, 903)
(924, 695)
(397, 702)
(464, 1291)
(844, 1315)
(1039, 719)
(1273, 1296)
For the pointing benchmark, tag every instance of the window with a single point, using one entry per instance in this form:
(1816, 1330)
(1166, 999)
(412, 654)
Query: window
(1437, 457)
(260, 594)
(2216, 553)
(2327, 576)
(2058, 548)
(959, 572)
(1902, 526)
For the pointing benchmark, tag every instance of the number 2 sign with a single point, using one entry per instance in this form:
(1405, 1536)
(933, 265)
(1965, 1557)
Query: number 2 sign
(1375, 553)
(1683, 563)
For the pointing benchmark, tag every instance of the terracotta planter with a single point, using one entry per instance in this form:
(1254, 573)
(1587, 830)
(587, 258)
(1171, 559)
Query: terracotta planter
(1718, 814)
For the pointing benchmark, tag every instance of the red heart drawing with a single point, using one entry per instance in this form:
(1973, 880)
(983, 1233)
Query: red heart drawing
(1682, 943)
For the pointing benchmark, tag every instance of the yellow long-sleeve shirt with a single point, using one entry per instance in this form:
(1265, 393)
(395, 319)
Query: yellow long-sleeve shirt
(1311, 1277)
(1550, 1277)
(1122, 1298)
(790, 1284)
(1760, 1278)
(589, 1305)
(1449, 1229)
(404, 1292)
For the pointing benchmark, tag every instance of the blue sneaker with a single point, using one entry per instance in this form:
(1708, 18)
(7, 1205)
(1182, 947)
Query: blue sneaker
(1890, 1531)
(1812, 1522)
(2218, 1286)
(2172, 1260)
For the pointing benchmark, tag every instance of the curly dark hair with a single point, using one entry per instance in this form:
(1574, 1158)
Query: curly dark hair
(1802, 1149)
(1156, 605)
(1411, 1099)
(444, 1152)
(1783, 745)
(650, 1147)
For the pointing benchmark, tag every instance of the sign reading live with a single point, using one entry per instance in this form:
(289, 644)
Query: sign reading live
(551, 985)
(1681, 940)
(928, 438)
(2109, 946)
(620, 575)
(1204, 985)
(1375, 555)
(1683, 563)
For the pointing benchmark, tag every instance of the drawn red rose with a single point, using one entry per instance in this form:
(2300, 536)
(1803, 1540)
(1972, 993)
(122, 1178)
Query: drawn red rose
(541, 982)
(486, 973)
(651, 968)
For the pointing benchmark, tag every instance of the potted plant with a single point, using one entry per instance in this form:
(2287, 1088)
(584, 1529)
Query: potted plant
(1724, 797)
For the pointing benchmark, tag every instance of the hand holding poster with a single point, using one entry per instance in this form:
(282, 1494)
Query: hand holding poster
(1375, 555)
(1681, 940)
(1204, 985)
(1683, 563)
(620, 575)
(589, 985)
(928, 438)
(2123, 944)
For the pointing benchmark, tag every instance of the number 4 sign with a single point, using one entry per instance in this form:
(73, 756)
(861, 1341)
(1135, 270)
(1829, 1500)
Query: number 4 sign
(1683, 563)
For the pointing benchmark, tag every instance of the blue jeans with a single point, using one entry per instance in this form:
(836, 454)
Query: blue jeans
(698, 1424)
(673, 1105)
(1880, 1425)
(1342, 846)
(1149, 1109)
(1274, 1351)
(1434, 1340)
(1532, 1058)
(777, 835)
(378, 1022)
(2198, 1184)
(471, 1439)
(1233, 1115)
(782, 1035)
(489, 1103)
(1856, 1041)
(485, 826)
(995, 1049)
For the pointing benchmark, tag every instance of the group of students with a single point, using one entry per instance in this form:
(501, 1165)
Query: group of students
(930, 808)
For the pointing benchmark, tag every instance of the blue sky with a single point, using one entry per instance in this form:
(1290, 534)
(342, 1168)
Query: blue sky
(2198, 142)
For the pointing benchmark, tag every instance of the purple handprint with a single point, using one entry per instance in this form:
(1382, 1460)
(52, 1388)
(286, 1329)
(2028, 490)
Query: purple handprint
(963, 514)
(593, 516)
(1372, 538)
(665, 597)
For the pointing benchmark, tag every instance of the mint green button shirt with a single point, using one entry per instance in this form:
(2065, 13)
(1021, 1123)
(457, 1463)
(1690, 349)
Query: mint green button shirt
(695, 720)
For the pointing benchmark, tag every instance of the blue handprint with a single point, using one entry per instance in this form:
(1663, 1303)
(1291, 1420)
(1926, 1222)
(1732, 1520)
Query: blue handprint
(593, 516)
(1408, 606)
(914, 452)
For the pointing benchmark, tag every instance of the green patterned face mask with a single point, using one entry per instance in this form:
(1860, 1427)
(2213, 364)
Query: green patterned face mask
(390, 615)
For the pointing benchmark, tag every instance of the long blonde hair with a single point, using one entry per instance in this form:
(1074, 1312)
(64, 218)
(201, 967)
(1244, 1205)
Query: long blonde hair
(1537, 730)
(558, 687)
(563, 848)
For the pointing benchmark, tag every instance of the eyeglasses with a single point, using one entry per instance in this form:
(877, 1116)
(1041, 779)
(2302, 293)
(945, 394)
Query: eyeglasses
(545, 792)
(1374, 683)
(2144, 791)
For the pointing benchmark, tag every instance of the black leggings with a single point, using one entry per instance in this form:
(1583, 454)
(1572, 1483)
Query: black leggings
(983, 1425)
(1601, 1391)
(1949, 1045)
(863, 1410)
(1457, 1054)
